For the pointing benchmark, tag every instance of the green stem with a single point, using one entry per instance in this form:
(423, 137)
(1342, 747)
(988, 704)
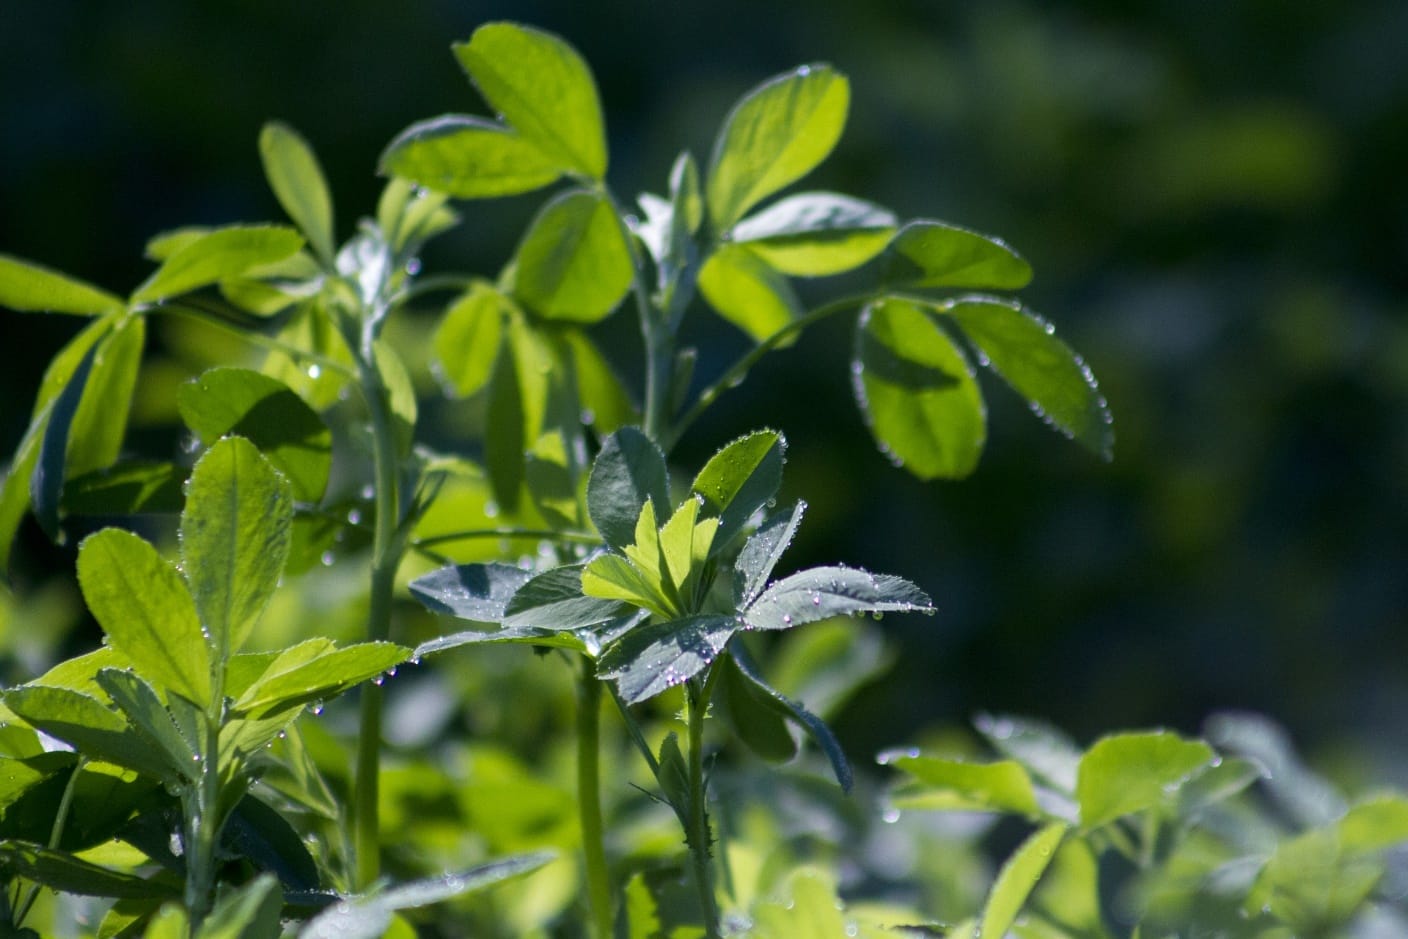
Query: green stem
(56, 834)
(566, 537)
(739, 370)
(589, 799)
(386, 556)
(697, 834)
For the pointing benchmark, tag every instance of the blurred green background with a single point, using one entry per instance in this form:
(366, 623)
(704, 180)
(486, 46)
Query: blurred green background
(1214, 197)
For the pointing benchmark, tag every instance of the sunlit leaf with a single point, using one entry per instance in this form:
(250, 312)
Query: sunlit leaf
(776, 134)
(144, 710)
(956, 785)
(812, 234)
(1018, 878)
(740, 480)
(216, 255)
(1020, 346)
(934, 254)
(59, 870)
(543, 89)
(469, 158)
(297, 180)
(554, 600)
(655, 657)
(84, 723)
(1127, 773)
(468, 338)
(747, 291)
(323, 677)
(26, 287)
(823, 592)
(917, 392)
(573, 263)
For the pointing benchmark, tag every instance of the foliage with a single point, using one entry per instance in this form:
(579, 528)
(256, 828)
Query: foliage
(167, 772)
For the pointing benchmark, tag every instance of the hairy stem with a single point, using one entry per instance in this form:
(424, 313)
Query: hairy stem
(589, 799)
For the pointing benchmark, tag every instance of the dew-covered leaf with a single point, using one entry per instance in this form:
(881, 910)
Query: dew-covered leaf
(476, 592)
(812, 234)
(553, 600)
(917, 392)
(1022, 348)
(85, 724)
(933, 254)
(573, 263)
(629, 470)
(659, 655)
(469, 158)
(325, 676)
(823, 592)
(543, 89)
(762, 551)
(739, 480)
(145, 610)
(149, 717)
(775, 135)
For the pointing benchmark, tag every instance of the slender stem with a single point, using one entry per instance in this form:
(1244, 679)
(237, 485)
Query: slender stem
(439, 282)
(386, 556)
(637, 735)
(739, 370)
(56, 834)
(567, 537)
(589, 799)
(697, 834)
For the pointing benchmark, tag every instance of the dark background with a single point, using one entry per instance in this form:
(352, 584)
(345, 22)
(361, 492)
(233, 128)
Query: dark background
(1214, 198)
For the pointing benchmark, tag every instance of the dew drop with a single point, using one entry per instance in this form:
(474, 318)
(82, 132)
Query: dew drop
(368, 492)
(588, 417)
(315, 371)
(890, 816)
(354, 517)
(491, 509)
(379, 680)
(316, 708)
(816, 599)
(413, 267)
(327, 559)
(803, 71)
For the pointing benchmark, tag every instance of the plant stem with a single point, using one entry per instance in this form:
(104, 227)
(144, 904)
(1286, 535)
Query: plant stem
(589, 799)
(697, 833)
(386, 556)
(56, 834)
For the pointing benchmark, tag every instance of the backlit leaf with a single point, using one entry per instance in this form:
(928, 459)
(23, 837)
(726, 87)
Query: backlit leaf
(468, 338)
(149, 717)
(216, 255)
(776, 134)
(1127, 773)
(146, 611)
(747, 291)
(573, 263)
(400, 395)
(543, 89)
(823, 592)
(554, 600)
(933, 254)
(469, 158)
(59, 870)
(26, 287)
(1018, 878)
(812, 234)
(324, 677)
(739, 480)
(297, 180)
(85, 724)
(956, 785)
(235, 534)
(917, 392)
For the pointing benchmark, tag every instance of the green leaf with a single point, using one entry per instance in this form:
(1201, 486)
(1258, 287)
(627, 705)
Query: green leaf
(262, 835)
(325, 676)
(400, 395)
(147, 716)
(135, 488)
(26, 287)
(146, 611)
(612, 577)
(1374, 825)
(917, 392)
(1047, 753)
(266, 412)
(553, 600)
(745, 290)
(46, 483)
(250, 911)
(1020, 346)
(298, 183)
(476, 592)
(955, 785)
(1128, 773)
(1018, 878)
(775, 135)
(762, 551)
(811, 910)
(468, 340)
(101, 422)
(469, 158)
(217, 255)
(760, 727)
(605, 404)
(543, 89)
(573, 263)
(739, 480)
(84, 723)
(655, 657)
(933, 254)
(505, 444)
(820, 593)
(1310, 885)
(673, 776)
(629, 470)
(59, 870)
(767, 696)
(235, 534)
(552, 477)
(813, 234)
(368, 917)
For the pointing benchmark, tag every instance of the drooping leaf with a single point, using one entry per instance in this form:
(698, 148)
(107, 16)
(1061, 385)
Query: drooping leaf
(762, 551)
(216, 255)
(759, 726)
(476, 592)
(324, 676)
(769, 697)
(469, 158)
(146, 611)
(655, 657)
(917, 392)
(145, 712)
(298, 183)
(629, 470)
(26, 287)
(551, 474)
(368, 917)
(933, 254)
(823, 592)
(1018, 878)
(813, 234)
(261, 834)
(956, 785)
(235, 534)
(543, 89)
(1020, 346)
(266, 412)
(776, 134)
(62, 871)
(573, 263)
(745, 290)
(1127, 773)
(468, 340)
(47, 481)
(739, 480)
(84, 723)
